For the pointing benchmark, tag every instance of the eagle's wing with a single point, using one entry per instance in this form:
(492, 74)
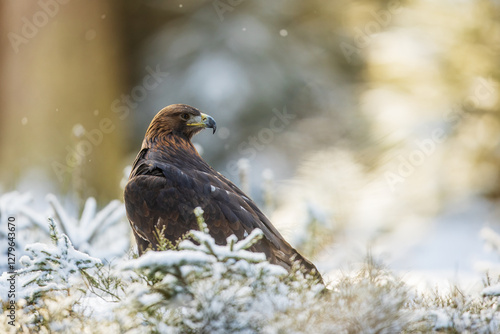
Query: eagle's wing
(155, 201)
(161, 194)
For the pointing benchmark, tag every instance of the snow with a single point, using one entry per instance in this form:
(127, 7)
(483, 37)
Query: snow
(13, 202)
(5, 283)
(449, 249)
(439, 252)
(96, 307)
(93, 226)
(154, 260)
(202, 285)
(101, 233)
(234, 249)
(49, 267)
(493, 290)
(491, 237)
(214, 288)
(198, 211)
(442, 320)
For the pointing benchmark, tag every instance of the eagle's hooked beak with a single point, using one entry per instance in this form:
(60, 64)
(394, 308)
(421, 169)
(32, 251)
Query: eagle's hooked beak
(209, 121)
(203, 121)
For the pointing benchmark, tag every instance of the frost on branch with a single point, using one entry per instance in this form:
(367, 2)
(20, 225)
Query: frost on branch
(96, 231)
(14, 204)
(52, 267)
(206, 288)
(11, 203)
(458, 312)
(100, 233)
(205, 252)
(234, 249)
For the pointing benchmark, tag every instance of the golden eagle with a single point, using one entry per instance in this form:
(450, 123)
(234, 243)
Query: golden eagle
(169, 179)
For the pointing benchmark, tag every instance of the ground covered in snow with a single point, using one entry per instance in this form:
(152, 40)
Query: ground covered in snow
(200, 287)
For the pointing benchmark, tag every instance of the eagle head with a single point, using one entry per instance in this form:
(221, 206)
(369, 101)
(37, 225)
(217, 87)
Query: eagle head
(180, 119)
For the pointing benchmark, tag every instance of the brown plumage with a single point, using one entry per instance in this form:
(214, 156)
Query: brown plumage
(169, 180)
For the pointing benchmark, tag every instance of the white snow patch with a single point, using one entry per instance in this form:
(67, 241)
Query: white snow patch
(167, 259)
(443, 321)
(198, 211)
(493, 290)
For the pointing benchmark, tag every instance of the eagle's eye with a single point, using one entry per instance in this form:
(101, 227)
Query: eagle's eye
(185, 116)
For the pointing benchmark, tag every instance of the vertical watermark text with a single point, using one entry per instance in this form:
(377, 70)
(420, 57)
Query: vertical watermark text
(11, 265)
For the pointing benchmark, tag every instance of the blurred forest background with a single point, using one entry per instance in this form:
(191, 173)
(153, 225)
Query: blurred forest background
(371, 123)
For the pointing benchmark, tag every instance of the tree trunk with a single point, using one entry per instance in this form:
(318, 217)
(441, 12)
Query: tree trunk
(60, 64)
